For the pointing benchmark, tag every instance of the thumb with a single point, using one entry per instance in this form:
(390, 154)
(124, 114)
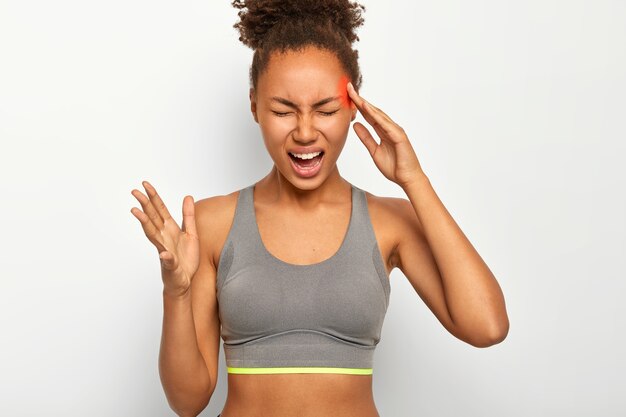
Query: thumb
(189, 218)
(366, 137)
(167, 259)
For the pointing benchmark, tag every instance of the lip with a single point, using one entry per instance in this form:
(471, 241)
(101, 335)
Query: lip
(310, 149)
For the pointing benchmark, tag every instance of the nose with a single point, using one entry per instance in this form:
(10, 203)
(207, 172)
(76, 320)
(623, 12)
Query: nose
(305, 131)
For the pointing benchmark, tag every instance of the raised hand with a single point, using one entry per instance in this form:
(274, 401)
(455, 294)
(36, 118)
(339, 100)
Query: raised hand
(179, 250)
(394, 156)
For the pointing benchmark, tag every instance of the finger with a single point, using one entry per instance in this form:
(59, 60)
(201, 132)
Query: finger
(365, 108)
(149, 229)
(382, 133)
(148, 209)
(189, 220)
(378, 128)
(370, 105)
(360, 103)
(356, 98)
(382, 113)
(371, 114)
(366, 137)
(157, 202)
(378, 121)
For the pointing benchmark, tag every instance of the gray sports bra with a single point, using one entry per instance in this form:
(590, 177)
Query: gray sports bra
(279, 317)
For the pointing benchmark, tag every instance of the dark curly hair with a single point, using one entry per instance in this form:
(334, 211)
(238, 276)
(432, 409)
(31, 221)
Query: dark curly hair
(280, 25)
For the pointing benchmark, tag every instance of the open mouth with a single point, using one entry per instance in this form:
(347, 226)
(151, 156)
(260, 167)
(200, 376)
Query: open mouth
(307, 168)
(307, 164)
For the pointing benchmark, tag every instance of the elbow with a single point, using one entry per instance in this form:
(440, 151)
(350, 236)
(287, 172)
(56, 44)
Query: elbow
(186, 413)
(189, 400)
(485, 342)
(191, 412)
(494, 335)
(191, 408)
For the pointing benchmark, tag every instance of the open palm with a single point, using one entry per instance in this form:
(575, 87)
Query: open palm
(179, 249)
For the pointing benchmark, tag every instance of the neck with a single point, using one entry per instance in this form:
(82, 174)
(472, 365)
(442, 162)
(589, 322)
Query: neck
(307, 193)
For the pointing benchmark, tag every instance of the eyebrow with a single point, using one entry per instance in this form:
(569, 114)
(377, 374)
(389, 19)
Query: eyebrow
(295, 106)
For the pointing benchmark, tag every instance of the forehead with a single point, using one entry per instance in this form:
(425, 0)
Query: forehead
(302, 73)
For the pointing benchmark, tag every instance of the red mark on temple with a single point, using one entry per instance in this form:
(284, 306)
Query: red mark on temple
(343, 91)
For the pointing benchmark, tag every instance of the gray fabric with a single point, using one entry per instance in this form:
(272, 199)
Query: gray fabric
(276, 314)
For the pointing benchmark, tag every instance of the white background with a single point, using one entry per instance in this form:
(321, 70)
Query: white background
(515, 109)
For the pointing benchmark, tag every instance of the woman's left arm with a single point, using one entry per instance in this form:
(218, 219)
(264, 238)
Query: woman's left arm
(467, 292)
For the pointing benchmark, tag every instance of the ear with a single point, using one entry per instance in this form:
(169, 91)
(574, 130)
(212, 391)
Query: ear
(354, 110)
(253, 104)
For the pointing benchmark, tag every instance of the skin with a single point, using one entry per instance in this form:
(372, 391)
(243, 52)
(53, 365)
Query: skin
(416, 235)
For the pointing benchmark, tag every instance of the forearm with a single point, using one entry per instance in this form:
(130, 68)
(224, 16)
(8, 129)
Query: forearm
(182, 369)
(473, 295)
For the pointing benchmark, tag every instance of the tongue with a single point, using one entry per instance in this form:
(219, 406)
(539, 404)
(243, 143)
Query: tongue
(306, 163)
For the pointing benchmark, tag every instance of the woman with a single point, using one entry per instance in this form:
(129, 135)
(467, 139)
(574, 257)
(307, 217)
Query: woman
(292, 271)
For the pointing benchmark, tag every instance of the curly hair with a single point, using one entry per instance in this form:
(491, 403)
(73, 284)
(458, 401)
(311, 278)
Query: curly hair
(280, 25)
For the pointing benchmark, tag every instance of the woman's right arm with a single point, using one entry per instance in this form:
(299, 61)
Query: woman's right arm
(188, 357)
(188, 360)
(182, 368)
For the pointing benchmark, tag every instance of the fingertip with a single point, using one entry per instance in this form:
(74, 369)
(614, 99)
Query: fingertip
(351, 89)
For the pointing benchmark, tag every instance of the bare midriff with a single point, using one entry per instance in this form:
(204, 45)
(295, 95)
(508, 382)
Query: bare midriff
(302, 395)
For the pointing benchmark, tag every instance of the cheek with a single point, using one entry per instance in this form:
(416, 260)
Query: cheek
(277, 127)
(334, 128)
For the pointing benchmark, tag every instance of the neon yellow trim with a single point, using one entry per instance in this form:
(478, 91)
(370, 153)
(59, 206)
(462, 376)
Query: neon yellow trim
(301, 370)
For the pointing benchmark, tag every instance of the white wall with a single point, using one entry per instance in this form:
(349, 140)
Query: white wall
(515, 109)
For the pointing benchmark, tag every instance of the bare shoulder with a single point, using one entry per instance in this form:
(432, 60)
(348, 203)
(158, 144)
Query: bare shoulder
(214, 217)
(398, 209)
(391, 218)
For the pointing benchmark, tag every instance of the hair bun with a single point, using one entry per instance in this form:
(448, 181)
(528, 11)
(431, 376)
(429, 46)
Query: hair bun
(262, 15)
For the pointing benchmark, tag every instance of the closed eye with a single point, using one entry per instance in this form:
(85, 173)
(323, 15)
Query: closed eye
(325, 113)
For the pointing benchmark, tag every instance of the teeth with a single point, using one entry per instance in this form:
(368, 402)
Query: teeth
(305, 155)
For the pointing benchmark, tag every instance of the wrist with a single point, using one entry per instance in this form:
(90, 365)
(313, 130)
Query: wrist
(417, 180)
(176, 294)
